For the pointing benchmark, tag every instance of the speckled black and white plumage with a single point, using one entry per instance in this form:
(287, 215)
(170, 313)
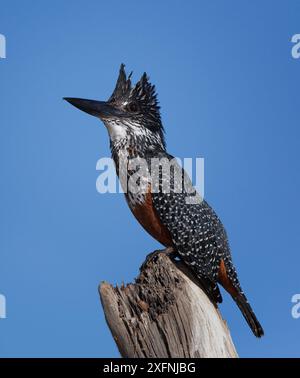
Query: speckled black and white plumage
(196, 230)
(197, 234)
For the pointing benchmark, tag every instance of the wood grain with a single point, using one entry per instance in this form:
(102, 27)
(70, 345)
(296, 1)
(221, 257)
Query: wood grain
(165, 313)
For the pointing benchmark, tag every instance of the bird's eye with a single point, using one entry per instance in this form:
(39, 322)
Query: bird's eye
(132, 107)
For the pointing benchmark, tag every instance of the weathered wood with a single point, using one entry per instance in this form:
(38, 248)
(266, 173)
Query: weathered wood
(165, 314)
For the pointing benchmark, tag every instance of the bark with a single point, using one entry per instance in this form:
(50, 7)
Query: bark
(165, 313)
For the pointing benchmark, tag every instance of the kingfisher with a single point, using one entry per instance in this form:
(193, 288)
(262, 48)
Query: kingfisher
(168, 208)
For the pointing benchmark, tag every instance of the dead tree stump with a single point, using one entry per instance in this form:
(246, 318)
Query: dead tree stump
(165, 314)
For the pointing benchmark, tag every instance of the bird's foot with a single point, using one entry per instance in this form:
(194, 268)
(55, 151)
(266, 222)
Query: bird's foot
(170, 251)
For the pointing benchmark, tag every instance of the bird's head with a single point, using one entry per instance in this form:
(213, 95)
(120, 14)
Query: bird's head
(131, 112)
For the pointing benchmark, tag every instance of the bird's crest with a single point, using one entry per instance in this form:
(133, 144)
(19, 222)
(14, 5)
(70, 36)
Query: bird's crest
(143, 91)
(123, 86)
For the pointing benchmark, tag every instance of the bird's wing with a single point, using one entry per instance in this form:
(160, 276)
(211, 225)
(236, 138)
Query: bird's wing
(196, 231)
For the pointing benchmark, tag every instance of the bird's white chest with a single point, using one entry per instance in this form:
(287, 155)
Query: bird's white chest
(134, 177)
(116, 131)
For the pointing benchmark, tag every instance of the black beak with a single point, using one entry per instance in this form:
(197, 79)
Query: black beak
(100, 109)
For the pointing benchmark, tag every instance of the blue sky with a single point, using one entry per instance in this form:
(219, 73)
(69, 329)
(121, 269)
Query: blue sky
(229, 91)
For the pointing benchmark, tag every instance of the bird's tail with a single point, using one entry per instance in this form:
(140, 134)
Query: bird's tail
(249, 315)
